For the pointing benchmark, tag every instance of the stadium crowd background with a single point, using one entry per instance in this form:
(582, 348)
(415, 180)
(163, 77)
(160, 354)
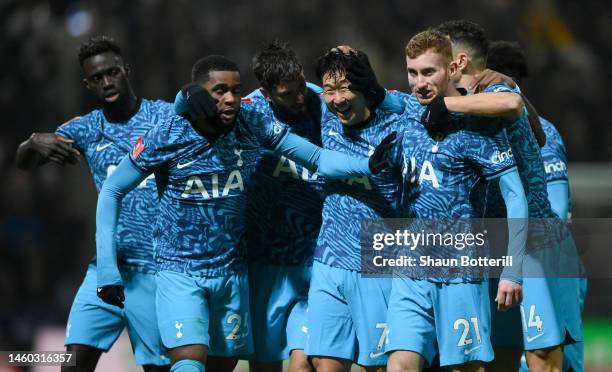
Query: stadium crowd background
(47, 216)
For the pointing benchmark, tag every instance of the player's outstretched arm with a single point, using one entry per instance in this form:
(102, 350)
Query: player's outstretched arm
(334, 164)
(125, 178)
(558, 195)
(41, 148)
(509, 292)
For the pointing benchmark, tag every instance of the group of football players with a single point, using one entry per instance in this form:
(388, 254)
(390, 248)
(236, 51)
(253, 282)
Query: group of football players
(230, 227)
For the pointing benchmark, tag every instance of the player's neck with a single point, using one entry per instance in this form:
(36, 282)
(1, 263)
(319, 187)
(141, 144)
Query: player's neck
(451, 91)
(367, 120)
(288, 117)
(122, 112)
(467, 78)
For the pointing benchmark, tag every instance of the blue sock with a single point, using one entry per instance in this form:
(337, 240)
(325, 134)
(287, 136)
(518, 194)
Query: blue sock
(188, 365)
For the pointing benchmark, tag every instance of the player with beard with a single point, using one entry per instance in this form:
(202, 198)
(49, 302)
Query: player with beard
(103, 137)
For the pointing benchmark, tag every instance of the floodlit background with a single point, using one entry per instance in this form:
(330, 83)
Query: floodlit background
(47, 216)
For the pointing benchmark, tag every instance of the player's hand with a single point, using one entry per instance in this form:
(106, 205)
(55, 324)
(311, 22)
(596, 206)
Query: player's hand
(54, 148)
(379, 159)
(435, 118)
(361, 75)
(200, 104)
(346, 49)
(509, 294)
(112, 294)
(488, 77)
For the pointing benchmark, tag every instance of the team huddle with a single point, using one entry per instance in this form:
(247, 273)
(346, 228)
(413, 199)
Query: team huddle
(233, 227)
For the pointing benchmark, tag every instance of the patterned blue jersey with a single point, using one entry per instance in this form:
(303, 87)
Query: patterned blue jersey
(554, 156)
(446, 172)
(348, 202)
(285, 200)
(528, 159)
(104, 144)
(446, 178)
(414, 110)
(201, 224)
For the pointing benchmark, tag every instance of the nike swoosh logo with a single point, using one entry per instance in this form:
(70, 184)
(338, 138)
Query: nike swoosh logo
(239, 346)
(376, 355)
(529, 339)
(332, 133)
(181, 166)
(467, 351)
(102, 147)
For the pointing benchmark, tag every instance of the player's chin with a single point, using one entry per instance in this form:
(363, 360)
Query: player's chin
(111, 99)
(346, 117)
(228, 119)
(425, 101)
(298, 110)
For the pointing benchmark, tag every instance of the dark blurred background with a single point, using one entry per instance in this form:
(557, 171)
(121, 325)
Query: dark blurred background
(47, 216)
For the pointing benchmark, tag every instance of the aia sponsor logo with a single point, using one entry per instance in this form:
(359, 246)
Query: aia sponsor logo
(246, 100)
(138, 148)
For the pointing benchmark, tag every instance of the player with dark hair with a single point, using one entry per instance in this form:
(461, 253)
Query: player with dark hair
(509, 58)
(201, 162)
(281, 77)
(541, 296)
(346, 313)
(103, 137)
(470, 48)
(284, 216)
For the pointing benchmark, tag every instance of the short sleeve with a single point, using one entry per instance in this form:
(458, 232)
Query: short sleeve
(554, 154)
(75, 129)
(264, 128)
(158, 146)
(498, 87)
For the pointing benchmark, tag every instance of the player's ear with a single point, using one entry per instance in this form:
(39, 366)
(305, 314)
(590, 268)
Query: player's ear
(86, 83)
(453, 72)
(127, 68)
(462, 60)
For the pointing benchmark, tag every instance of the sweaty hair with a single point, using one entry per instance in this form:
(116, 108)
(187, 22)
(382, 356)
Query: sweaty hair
(508, 58)
(470, 35)
(213, 62)
(98, 45)
(276, 63)
(430, 39)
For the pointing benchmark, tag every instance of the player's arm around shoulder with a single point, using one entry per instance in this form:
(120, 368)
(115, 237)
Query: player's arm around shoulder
(505, 105)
